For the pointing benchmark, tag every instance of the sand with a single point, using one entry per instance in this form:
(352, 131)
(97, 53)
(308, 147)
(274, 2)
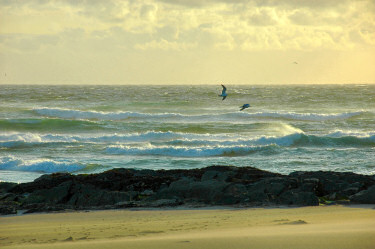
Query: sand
(307, 227)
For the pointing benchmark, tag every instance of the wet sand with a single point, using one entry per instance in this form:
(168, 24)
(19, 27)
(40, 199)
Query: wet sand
(307, 227)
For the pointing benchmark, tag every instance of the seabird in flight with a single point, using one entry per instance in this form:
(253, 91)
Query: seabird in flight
(224, 92)
(244, 106)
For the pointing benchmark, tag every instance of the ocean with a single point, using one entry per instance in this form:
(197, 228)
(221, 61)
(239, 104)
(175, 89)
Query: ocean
(90, 129)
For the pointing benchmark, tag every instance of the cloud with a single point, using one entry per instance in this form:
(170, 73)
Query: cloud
(182, 25)
(165, 45)
(27, 43)
(316, 4)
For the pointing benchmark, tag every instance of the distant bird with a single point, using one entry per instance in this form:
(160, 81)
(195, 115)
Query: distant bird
(295, 62)
(224, 92)
(244, 106)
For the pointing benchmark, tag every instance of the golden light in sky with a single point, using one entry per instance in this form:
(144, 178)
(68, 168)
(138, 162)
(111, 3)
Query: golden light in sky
(187, 41)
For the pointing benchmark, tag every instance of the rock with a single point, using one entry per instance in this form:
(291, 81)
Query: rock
(178, 188)
(207, 191)
(147, 192)
(365, 196)
(214, 185)
(231, 194)
(187, 188)
(58, 194)
(257, 197)
(42, 183)
(126, 204)
(275, 188)
(89, 196)
(349, 191)
(299, 198)
(165, 203)
(8, 208)
(331, 182)
(6, 186)
(8, 197)
(217, 175)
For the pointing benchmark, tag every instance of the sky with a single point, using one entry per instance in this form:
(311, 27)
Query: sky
(187, 41)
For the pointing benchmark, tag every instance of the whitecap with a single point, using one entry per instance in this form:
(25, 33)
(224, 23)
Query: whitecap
(38, 165)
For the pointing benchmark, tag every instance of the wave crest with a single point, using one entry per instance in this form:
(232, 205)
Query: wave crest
(40, 165)
(77, 114)
(298, 139)
(173, 151)
(96, 115)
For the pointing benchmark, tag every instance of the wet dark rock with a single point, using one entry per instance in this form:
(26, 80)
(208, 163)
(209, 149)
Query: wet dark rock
(43, 182)
(87, 195)
(8, 207)
(365, 196)
(6, 186)
(53, 195)
(297, 198)
(214, 185)
(257, 197)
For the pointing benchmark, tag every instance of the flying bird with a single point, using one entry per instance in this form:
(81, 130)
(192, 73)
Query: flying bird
(224, 92)
(244, 106)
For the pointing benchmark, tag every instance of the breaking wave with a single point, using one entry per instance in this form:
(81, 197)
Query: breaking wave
(95, 115)
(204, 148)
(188, 140)
(40, 165)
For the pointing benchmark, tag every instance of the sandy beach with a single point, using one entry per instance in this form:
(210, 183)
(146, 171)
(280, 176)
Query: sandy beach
(306, 227)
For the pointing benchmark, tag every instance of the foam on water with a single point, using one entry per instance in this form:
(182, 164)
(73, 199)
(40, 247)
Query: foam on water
(305, 116)
(78, 114)
(199, 148)
(190, 139)
(178, 151)
(38, 165)
(345, 133)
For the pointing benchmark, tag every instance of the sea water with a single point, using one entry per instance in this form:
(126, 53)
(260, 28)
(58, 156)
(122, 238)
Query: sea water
(90, 129)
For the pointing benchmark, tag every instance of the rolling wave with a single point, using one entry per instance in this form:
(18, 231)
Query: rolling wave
(48, 124)
(95, 115)
(18, 140)
(204, 148)
(40, 165)
(175, 151)
(305, 116)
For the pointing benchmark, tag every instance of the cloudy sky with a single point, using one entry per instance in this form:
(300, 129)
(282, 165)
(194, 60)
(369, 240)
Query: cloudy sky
(187, 41)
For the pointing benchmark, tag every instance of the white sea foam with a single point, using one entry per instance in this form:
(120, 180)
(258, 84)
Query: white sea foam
(304, 116)
(190, 139)
(205, 147)
(170, 138)
(16, 139)
(178, 151)
(352, 133)
(79, 114)
(38, 165)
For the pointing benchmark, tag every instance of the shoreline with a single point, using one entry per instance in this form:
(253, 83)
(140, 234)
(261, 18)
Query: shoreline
(182, 208)
(303, 227)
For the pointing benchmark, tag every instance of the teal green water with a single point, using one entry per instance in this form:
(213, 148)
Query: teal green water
(46, 129)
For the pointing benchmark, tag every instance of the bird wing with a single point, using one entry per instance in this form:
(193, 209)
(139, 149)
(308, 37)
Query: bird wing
(224, 97)
(224, 88)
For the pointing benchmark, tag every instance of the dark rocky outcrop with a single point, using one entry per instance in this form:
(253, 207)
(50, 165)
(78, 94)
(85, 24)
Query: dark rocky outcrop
(214, 185)
(366, 196)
